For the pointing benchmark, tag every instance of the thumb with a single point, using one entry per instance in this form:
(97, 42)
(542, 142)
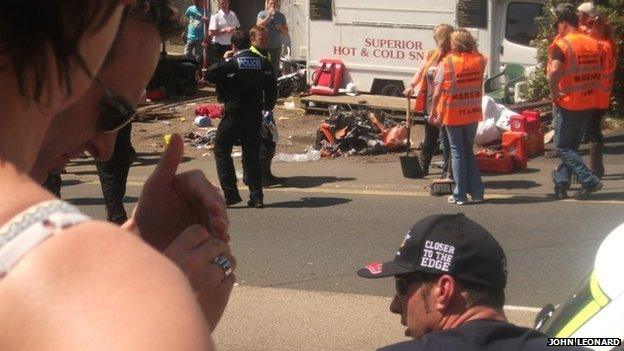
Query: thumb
(192, 237)
(169, 161)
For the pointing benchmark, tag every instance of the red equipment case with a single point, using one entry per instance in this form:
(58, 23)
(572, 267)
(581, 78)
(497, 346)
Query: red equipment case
(328, 77)
(523, 145)
(498, 162)
(527, 122)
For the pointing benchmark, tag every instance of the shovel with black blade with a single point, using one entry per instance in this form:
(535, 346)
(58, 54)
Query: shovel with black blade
(410, 164)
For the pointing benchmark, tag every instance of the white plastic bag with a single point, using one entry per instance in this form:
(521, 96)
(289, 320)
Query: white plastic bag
(311, 154)
(503, 121)
(487, 132)
(490, 108)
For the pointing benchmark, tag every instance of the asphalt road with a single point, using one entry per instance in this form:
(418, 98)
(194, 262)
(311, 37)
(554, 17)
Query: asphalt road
(299, 254)
(317, 240)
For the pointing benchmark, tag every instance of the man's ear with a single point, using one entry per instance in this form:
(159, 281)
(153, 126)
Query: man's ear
(444, 292)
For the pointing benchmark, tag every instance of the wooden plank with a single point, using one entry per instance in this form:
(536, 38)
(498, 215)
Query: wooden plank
(363, 100)
(394, 107)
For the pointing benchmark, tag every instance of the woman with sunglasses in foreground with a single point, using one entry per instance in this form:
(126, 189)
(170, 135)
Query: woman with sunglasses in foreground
(67, 282)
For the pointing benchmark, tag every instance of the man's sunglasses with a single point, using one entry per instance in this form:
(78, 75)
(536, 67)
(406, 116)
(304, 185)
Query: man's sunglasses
(117, 112)
(402, 283)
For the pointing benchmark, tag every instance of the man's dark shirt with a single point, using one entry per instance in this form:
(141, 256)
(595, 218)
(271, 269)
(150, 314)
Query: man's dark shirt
(480, 335)
(557, 54)
(246, 83)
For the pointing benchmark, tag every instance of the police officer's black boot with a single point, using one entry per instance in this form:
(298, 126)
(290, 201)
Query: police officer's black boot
(425, 161)
(257, 203)
(595, 159)
(268, 179)
(53, 184)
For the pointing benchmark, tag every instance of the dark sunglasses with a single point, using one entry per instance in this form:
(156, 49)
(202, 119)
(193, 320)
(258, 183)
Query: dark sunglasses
(402, 283)
(117, 112)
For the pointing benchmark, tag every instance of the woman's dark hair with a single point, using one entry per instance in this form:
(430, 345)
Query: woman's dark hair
(241, 40)
(162, 14)
(568, 16)
(159, 13)
(29, 28)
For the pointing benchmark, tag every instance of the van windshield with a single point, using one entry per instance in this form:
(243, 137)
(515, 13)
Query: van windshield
(520, 27)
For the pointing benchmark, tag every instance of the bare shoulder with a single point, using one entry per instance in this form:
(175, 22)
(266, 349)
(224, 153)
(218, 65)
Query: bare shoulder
(97, 286)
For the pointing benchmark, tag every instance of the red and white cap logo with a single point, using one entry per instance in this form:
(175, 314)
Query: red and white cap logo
(375, 267)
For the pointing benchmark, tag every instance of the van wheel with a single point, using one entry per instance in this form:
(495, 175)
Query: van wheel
(387, 87)
(391, 90)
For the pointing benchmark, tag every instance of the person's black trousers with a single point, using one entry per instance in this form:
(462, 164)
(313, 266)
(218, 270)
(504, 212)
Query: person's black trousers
(594, 127)
(429, 146)
(53, 184)
(220, 50)
(114, 174)
(267, 148)
(245, 128)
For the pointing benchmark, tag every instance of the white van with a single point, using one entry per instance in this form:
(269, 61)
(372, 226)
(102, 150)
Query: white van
(382, 42)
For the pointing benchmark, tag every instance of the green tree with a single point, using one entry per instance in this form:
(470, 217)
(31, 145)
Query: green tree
(538, 85)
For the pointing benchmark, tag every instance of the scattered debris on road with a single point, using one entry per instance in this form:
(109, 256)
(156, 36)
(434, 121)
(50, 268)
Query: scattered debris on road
(359, 132)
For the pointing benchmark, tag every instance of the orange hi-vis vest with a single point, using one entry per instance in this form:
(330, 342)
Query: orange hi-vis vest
(582, 71)
(421, 98)
(603, 94)
(462, 88)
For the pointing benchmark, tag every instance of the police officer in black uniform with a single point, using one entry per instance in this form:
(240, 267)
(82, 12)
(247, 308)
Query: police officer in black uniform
(246, 85)
(113, 175)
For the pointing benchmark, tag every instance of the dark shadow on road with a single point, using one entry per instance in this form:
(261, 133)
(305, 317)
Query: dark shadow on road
(93, 171)
(143, 159)
(305, 202)
(613, 176)
(614, 145)
(519, 200)
(303, 182)
(510, 184)
(604, 196)
(149, 161)
(526, 171)
(90, 201)
(71, 182)
(82, 161)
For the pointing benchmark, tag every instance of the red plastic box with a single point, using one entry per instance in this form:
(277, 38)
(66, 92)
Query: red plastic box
(520, 164)
(535, 142)
(515, 144)
(328, 77)
(499, 162)
(527, 122)
(523, 145)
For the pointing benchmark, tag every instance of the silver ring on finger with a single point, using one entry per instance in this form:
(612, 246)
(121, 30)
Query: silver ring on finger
(224, 263)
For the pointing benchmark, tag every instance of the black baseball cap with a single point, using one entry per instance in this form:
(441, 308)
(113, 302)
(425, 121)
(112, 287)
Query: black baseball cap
(564, 6)
(567, 14)
(447, 244)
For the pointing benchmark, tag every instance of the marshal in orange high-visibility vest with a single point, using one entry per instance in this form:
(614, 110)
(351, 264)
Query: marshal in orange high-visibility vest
(421, 98)
(603, 94)
(582, 70)
(462, 88)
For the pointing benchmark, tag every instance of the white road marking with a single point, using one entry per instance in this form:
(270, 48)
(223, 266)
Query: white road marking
(407, 193)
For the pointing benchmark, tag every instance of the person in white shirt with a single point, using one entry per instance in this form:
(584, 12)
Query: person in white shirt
(222, 25)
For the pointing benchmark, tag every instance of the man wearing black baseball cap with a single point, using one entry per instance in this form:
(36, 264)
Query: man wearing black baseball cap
(450, 275)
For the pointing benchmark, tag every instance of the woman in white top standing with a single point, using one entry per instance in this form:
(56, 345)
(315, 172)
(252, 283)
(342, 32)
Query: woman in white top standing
(67, 282)
(222, 26)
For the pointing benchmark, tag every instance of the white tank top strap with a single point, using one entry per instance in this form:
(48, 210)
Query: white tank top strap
(31, 227)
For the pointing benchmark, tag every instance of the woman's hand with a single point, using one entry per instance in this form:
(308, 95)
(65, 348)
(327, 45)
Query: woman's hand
(435, 120)
(409, 91)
